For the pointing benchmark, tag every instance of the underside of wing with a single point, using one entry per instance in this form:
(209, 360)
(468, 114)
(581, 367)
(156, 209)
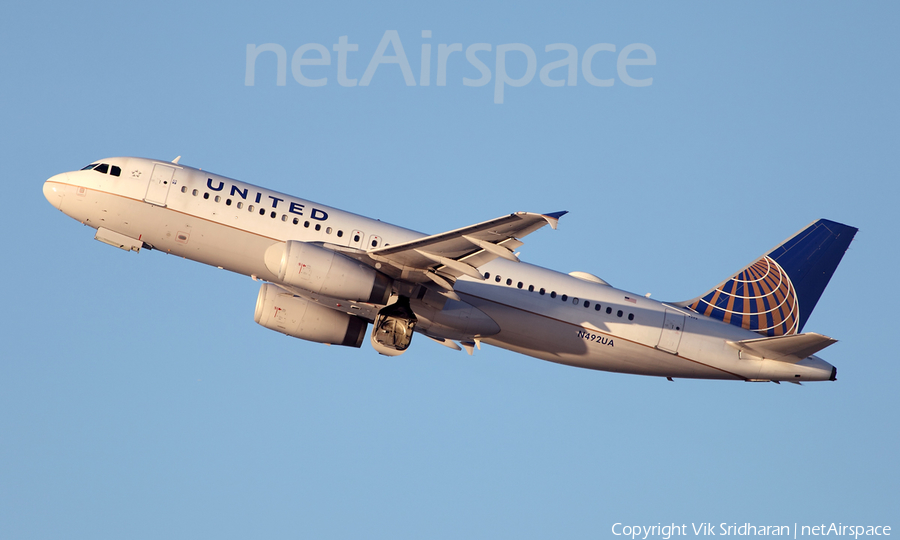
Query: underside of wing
(442, 258)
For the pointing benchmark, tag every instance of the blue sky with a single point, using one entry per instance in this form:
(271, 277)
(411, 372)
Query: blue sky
(139, 400)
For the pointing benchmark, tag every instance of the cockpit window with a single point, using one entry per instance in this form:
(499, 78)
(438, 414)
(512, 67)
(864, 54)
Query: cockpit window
(104, 168)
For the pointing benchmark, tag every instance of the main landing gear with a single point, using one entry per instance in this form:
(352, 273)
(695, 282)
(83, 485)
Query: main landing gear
(393, 329)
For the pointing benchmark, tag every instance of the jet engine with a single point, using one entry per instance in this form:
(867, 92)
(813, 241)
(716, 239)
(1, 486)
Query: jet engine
(326, 272)
(279, 310)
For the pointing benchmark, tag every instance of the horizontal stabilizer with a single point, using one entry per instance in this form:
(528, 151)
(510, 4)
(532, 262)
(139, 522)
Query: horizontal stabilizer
(791, 348)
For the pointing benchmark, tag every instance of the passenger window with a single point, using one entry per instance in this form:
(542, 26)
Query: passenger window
(274, 214)
(619, 313)
(328, 230)
(597, 307)
(103, 168)
(340, 234)
(587, 304)
(206, 195)
(283, 217)
(631, 316)
(318, 227)
(195, 193)
(115, 171)
(564, 298)
(262, 211)
(608, 310)
(541, 291)
(218, 198)
(240, 205)
(306, 224)
(519, 285)
(184, 189)
(553, 294)
(250, 208)
(509, 282)
(296, 221)
(497, 279)
(531, 288)
(487, 275)
(227, 202)
(356, 238)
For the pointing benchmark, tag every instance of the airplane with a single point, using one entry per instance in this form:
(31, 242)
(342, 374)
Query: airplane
(326, 274)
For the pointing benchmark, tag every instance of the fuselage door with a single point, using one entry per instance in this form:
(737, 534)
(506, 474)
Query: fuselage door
(673, 326)
(158, 188)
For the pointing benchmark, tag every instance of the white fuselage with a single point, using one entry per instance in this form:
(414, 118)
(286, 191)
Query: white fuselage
(230, 224)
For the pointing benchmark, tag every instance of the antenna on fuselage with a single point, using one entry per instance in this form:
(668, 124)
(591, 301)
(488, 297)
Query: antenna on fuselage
(175, 161)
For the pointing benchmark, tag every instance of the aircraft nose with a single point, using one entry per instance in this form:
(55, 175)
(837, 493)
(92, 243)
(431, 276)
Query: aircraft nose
(53, 190)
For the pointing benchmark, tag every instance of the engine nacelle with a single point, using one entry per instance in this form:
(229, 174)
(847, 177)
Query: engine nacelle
(279, 310)
(324, 271)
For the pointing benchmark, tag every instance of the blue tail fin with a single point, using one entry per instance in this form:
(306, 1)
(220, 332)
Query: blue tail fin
(776, 294)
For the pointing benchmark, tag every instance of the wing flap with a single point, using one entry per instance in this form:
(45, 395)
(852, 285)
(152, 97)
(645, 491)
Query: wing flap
(790, 348)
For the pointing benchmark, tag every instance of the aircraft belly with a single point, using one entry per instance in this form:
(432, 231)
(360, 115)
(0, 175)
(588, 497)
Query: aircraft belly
(562, 342)
(213, 244)
(175, 232)
(627, 361)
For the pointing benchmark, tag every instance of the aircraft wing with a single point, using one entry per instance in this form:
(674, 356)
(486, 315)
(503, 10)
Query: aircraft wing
(444, 257)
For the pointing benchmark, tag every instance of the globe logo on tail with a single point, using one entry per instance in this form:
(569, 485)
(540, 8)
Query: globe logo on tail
(760, 298)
